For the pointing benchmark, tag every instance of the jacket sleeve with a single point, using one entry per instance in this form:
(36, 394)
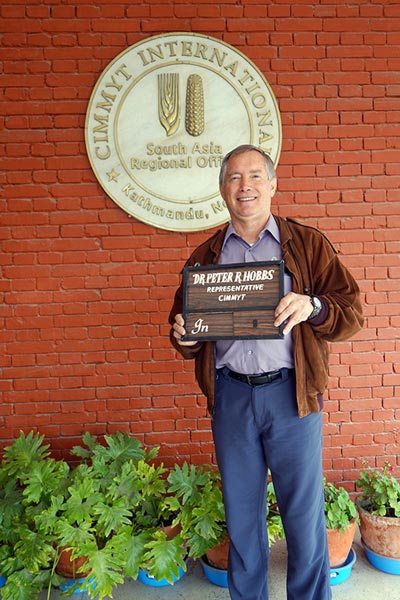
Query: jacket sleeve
(188, 352)
(205, 254)
(336, 286)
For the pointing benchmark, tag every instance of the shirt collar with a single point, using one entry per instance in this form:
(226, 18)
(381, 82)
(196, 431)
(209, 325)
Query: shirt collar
(271, 227)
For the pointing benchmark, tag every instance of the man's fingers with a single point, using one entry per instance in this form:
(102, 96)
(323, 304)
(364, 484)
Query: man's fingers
(180, 331)
(293, 308)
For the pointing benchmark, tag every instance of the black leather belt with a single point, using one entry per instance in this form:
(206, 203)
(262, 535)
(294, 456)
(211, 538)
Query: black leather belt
(260, 379)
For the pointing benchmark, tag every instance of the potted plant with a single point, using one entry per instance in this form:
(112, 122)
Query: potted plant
(341, 522)
(379, 510)
(153, 546)
(187, 521)
(199, 508)
(215, 559)
(103, 515)
(28, 479)
(114, 515)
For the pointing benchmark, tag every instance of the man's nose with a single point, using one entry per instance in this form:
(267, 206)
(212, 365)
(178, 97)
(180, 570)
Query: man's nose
(245, 183)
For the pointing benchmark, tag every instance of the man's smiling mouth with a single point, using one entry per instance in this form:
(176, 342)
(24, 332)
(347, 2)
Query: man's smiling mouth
(247, 199)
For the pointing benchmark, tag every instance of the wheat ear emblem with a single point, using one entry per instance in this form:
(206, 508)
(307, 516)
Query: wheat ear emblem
(194, 118)
(168, 102)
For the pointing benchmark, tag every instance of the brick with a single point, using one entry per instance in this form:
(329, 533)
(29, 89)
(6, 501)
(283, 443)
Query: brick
(88, 290)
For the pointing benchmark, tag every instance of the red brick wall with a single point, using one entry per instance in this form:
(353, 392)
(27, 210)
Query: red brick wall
(85, 290)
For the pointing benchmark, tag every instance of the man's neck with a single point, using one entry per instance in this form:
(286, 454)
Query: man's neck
(248, 230)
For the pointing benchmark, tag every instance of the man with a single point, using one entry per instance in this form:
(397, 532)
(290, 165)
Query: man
(265, 396)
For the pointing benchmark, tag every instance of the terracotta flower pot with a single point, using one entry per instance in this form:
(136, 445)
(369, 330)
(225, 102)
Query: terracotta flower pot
(379, 534)
(171, 532)
(218, 556)
(71, 569)
(339, 543)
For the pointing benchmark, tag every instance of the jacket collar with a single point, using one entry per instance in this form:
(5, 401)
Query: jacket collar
(218, 238)
(217, 241)
(284, 230)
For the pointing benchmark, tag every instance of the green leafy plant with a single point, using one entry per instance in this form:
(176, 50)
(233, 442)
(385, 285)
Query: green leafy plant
(28, 480)
(47, 507)
(114, 513)
(340, 510)
(380, 491)
(196, 497)
(201, 514)
(274, 519)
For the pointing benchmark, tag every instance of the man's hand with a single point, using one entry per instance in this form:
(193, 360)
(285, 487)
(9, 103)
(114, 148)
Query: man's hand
(292, 308)
(179, 331)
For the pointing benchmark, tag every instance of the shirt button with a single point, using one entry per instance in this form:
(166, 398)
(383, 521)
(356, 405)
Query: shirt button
(250, 352)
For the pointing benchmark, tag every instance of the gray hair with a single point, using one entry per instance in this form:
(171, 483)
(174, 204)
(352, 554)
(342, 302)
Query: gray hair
(269, 165)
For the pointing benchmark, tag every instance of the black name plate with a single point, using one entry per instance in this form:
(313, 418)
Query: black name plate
(235, 301)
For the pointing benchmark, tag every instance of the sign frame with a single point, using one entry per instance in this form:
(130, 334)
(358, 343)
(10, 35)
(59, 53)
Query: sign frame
(247, 292)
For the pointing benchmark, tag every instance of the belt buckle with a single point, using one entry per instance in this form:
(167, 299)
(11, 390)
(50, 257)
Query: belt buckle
(248, 379)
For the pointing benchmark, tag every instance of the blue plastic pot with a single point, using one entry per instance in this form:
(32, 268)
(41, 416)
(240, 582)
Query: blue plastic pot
(148, 579)
(382, 563)
(2, 581)
(69, 583)
(340, 574)
(214, 575)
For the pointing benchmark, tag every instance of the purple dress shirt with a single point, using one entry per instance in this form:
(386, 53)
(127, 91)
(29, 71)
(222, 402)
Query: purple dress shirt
(254, 356)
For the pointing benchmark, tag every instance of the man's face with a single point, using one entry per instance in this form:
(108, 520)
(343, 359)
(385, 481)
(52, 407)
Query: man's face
(247, 190)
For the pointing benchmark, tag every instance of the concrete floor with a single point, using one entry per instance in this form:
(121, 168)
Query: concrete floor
(364, 583)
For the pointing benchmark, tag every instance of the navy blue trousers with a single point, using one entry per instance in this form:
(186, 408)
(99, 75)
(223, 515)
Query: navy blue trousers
(256, 428)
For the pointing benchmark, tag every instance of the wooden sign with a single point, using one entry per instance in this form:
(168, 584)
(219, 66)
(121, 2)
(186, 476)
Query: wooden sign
(232, 301)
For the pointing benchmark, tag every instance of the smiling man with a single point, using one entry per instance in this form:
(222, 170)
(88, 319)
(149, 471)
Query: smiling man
(265, 395)
(248, 189)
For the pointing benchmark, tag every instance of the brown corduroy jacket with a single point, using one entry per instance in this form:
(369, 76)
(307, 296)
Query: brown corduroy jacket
(315, 269)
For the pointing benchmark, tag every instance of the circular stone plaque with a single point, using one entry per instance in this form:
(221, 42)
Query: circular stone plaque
(161, 118)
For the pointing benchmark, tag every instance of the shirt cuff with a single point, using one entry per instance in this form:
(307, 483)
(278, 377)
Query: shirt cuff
(322, 315)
